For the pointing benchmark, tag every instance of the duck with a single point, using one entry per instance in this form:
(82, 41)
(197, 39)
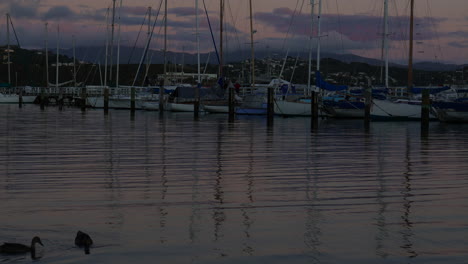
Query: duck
(15, 248)
(83, 240)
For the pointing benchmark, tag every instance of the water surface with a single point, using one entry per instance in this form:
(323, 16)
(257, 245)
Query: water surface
(174, 190)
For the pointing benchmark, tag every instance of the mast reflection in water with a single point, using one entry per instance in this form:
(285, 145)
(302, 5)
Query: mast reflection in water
(174, 190)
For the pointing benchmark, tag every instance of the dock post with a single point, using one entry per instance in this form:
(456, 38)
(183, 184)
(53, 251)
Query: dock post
(20, 98)
(196, 105)
(231, 102)
(106, 100)
(42, 97)
(425, 110)
(83, 99)
(60, 99)
(368, 105)
(161, 97)
(270, 106)
(132, 99)
(314, 109)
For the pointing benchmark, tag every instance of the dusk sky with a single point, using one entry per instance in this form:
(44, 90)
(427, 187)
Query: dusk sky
(348, 26)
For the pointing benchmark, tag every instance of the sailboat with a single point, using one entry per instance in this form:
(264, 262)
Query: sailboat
(300, 106)
(120, 97)
(399, 109)
(185, 97)
(8, 95)
(452, 106)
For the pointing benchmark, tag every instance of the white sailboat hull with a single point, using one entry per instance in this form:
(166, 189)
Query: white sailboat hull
(150, 105)
(349, 113)
(388, 110)
(287, 108)
(14, 99)
(216, 108)
(179, 107)
(114, 103)
(447, 115)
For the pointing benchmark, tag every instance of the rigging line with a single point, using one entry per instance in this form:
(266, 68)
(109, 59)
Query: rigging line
(439, 48)
(236, 32)
(402, 35)
(152, 53)
(86, 54)
(148, 43)
(286, 37)
(14, 31)
(290, 24)
(138, 37)
(211, 30)
(339, 26)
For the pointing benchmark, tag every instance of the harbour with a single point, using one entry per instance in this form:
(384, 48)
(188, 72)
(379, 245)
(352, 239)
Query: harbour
(173, 189)
(246, 131)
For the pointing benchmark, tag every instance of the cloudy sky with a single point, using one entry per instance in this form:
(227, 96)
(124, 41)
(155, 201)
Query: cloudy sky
(348, 26)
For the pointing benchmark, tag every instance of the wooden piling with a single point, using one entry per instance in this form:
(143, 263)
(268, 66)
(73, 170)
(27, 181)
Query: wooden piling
(270, 105)
(20, 98)
(314, 105)
(196, 105)
(425, 110)
(132, 99)
(106, 100)
(231, 102)
(161, 97)
(83, 99)
(42, 97)
(368, 105)
(60, 99)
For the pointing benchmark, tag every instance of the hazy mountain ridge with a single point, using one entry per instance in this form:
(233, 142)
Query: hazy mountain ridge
(133, 56)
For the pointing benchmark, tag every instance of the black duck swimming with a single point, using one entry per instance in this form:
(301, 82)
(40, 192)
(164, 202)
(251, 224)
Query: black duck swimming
(83, 240)
(15, 248)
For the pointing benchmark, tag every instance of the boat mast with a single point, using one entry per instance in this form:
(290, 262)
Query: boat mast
(252, 44)
(74, 61)
(147, 66)
(118, 48)
(57, 66)
(410, 61)
(319, 32)
(221, 29)
(309, 79)
(112, 41)
(47, 53)
(107, 48)
(165, 41)
(386, 41)
(196, 106)
(198, 44)
(8, 47)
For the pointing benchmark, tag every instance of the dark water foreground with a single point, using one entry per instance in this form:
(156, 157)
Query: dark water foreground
(171, 190)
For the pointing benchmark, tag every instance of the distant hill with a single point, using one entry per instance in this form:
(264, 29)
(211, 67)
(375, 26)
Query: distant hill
(133, 56)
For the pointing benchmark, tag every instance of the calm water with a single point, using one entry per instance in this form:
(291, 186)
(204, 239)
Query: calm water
(172, 190)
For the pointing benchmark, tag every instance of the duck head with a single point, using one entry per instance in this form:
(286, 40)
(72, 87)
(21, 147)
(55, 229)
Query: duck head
(35, 240)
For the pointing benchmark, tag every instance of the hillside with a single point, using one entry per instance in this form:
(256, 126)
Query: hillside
(28, 68)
